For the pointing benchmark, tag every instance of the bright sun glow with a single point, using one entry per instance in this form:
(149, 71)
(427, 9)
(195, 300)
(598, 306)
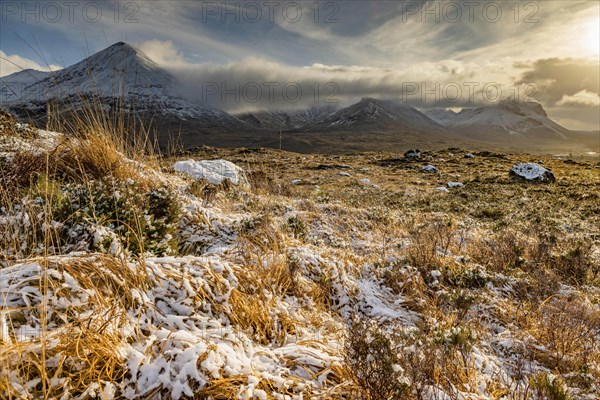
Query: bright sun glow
(592, 36)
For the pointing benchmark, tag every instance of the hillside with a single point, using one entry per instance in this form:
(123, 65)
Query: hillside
(315, 276)
(288, 120)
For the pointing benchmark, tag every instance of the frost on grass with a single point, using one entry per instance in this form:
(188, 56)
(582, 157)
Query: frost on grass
(164, 287)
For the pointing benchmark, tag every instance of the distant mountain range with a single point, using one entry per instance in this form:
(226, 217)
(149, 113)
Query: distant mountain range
(498, 120)
(288, 120)
(123, 77)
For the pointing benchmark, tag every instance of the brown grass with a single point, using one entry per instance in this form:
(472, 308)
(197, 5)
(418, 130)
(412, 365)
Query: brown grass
(81, 348)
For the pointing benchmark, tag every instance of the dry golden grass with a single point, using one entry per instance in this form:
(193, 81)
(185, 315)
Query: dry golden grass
(82, 347)
(524, 240)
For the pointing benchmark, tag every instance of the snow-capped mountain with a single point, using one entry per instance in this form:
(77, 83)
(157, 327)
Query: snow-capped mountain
(288, 120)
(119, 76)
(506, 118)
(119, 70)
(368, 115)
(376, 115)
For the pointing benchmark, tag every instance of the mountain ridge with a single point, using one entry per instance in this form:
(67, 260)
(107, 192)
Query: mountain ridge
(123, 77)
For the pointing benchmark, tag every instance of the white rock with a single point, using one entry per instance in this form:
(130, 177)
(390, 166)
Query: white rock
(214, 171)
(469, 155)
(532, 172)
(442, 189)
(344, 174)
(296, 181)
(455, 184)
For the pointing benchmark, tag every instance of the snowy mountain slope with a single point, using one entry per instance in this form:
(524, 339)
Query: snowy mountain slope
(286, 120)
(506, 117)
(12, 85)
(441, 115)
(26, 76)
(373, 115)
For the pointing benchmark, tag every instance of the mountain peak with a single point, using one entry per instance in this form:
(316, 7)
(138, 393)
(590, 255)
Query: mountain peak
(122, 60)
(507, 117)
(122, 50)
(116, 71)
(522, 107)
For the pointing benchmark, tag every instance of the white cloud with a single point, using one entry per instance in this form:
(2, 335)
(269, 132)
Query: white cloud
(582, 98)
(163, 52)
(233, 86)
(9, 64)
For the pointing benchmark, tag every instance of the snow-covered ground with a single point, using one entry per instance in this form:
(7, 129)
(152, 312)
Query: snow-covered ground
(258, 295)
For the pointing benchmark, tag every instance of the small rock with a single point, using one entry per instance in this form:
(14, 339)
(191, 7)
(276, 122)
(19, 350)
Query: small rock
(442, 189)
(532, 172)
(469, 155)
(296, 181)
(413, 154)
(455, 184)
(429, 168)
(344, 174)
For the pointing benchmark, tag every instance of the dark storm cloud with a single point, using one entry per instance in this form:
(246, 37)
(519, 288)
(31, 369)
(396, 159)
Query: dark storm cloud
(560, 77)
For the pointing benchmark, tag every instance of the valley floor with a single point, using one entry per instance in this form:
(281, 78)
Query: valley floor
(316, 277)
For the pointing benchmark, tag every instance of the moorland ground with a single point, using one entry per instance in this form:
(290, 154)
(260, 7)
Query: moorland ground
(319, 276)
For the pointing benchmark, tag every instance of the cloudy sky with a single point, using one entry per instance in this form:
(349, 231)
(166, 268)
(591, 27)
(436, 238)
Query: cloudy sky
(429, 53)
